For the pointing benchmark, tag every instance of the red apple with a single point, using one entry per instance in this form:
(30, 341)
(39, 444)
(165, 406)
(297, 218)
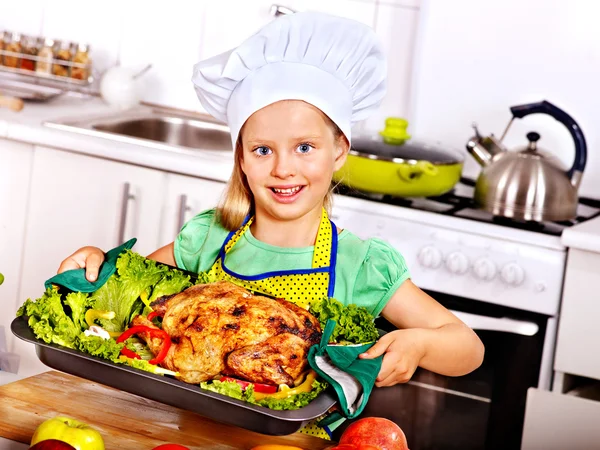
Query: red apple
(353, 447)
(52, 444)
(377, 432)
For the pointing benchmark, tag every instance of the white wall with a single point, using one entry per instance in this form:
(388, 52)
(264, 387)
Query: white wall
(477, 58)
(174, 34)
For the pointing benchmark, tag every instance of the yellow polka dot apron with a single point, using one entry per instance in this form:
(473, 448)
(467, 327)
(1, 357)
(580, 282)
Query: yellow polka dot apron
(299, 286)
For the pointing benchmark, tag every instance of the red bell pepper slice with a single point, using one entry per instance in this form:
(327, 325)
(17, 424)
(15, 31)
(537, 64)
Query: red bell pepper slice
(258, 387)
(130, 353)
(152, 315)
(153, 332)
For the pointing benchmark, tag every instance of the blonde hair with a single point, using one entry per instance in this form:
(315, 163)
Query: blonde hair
(237, 201)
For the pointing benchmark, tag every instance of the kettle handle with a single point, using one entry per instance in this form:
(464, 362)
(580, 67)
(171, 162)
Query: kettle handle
(545, 107)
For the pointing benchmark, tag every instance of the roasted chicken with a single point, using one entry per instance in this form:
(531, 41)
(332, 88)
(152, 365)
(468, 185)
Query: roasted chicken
(223, 329)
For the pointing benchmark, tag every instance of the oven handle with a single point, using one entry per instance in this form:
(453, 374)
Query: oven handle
(504, 324)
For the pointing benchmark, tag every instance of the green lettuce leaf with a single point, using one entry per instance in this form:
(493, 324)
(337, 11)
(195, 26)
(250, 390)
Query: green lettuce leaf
(228, 388)
(49, 320)
(78, 303)
(96, 346)
(295, 401)
(234, 390)
(121, 292)
(354, 324)
(173, 282)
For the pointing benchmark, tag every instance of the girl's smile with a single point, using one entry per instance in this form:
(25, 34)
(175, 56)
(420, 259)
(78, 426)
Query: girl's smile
(286, 194)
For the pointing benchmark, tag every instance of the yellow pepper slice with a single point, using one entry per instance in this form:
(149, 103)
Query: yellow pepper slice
(144, 299)
(285, 391)
(92, 314)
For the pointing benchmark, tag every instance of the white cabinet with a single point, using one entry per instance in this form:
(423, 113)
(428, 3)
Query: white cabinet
(559, 419)
(78, 200)
(558, 422)
(578, 331)
(228, 23)
(15, 175)
(185, 197)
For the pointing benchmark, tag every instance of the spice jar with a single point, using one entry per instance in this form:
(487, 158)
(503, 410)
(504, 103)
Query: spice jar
(83, 61)
(14, 46)
(62, 52)
(29, 50)
(45, 55)
(4, 36)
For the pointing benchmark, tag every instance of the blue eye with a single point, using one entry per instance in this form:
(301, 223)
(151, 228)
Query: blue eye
(262, 151)
(305, 148)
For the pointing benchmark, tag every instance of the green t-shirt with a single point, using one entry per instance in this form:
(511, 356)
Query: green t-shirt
(368, 271)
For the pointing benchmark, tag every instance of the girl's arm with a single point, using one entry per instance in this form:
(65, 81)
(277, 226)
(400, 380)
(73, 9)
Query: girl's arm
(164, 255)
(429, 336)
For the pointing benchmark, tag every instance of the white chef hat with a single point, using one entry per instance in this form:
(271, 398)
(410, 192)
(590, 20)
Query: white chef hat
(333, 63)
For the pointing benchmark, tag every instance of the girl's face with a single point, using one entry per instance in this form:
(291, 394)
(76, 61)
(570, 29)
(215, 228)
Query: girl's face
(289, 154)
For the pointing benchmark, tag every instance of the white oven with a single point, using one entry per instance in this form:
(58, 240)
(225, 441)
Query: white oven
(503, 281)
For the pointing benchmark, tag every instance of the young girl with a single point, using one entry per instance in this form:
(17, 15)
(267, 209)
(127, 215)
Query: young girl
(289, 95)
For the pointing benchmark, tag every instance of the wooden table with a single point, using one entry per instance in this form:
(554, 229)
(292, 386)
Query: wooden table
(124, 420)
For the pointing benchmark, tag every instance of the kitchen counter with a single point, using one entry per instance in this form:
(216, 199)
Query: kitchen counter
(585, 236)
(28, 126)
(125, 421)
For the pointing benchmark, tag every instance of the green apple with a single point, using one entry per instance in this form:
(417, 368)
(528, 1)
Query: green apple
(78, 434)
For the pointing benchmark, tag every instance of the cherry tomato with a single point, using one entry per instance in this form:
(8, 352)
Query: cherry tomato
(275, 447)
(258, 387)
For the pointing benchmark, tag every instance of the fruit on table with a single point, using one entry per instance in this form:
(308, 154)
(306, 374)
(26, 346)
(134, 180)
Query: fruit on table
(275, 447)
(52, 444)
(1, 278)
(374, 432)
(353, 447)
(78, 434)
(170, 447)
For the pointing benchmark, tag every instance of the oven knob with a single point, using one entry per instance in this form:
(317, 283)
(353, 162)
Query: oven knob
(430, 257)
(457, 262)
(484, 269)
(512, 274)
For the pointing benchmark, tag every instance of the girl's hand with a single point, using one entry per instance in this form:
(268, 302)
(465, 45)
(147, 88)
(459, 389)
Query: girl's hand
(403, 350)
(89, 257)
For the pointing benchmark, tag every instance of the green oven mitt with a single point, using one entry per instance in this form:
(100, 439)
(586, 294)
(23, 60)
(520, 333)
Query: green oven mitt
(352, 378)
(75, 279)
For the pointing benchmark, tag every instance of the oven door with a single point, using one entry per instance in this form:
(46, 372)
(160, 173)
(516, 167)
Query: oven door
(481, 410)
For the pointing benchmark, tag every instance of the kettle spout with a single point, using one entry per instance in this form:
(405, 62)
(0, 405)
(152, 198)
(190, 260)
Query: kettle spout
(484, 148)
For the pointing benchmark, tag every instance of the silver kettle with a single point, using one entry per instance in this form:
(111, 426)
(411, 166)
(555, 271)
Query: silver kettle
(528, 184)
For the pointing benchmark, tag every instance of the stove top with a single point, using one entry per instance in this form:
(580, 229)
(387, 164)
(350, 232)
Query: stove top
(459, 203)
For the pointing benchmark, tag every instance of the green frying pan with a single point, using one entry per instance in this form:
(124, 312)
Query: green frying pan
(396, 165)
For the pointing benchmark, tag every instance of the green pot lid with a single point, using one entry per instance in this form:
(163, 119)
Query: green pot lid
(394, 143)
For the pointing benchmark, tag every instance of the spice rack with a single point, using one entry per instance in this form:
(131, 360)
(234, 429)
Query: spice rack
(63, 62)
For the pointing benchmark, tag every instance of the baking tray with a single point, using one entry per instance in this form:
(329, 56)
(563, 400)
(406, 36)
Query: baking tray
(172, 392)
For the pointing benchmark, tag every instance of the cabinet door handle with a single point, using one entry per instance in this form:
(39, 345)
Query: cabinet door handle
(280, 10)
(125, 197)
(183, 209)
(503, 324)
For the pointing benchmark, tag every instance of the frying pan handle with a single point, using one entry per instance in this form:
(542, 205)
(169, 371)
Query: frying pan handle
(545, 107)
(411, 172)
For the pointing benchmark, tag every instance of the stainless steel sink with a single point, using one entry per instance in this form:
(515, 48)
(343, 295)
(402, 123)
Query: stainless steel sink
(156, 128)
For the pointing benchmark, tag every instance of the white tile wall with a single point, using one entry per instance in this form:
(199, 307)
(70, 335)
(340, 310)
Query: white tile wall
(174, 35)
(397, 28)
(168, 35)
(74, 21)
(24, 16)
